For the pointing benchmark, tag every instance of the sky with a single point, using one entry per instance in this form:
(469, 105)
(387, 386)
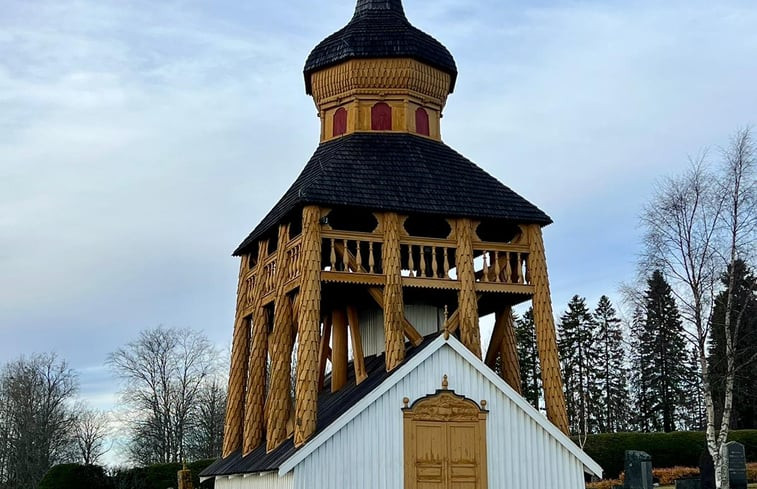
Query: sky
(141, 141)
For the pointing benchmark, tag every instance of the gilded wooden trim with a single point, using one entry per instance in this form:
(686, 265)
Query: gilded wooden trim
(309, 328)
(546, 337)
(394, 305)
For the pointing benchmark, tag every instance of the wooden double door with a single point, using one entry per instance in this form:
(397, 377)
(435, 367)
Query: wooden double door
(445, 453)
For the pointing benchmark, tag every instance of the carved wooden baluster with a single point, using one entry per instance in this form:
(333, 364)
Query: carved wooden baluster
(446, 263)
(410, 261)
(508, 269)
(434, 264)
(485, 271)
(520, 268)
(497, 270)
(528, 270)
(358, 257)
(371, 259)
(423, 261)
(346, 257)
(333, 256)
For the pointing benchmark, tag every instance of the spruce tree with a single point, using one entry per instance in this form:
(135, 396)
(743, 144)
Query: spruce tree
(668, 356)
(578, 354)
(528, 356)
(611, 374)
(644, 417)
(745, 344)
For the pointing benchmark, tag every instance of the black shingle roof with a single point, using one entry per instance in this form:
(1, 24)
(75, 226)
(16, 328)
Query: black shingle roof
(379, 29)
(398, 172)
(330, 408)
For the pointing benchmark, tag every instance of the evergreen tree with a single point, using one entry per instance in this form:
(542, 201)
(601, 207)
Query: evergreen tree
(528, 356)
(692, 412)
(668, 356)
(644, 418)
(745, 344)
(611, 375)
(578, 355)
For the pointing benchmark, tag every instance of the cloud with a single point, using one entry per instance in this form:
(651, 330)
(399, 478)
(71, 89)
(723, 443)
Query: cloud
(141, 141)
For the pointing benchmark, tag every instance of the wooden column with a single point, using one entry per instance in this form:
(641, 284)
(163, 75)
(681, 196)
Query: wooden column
(470, 334)
(509, 350)
(546, 338)
(278, 405)
(240, 350)
(338, 350)
(358, 357)
(394, 306)
(309, 316)
(256, 380)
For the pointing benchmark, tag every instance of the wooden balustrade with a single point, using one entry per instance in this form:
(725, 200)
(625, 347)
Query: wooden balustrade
(363, 252)
(428, 259)
(503, 266)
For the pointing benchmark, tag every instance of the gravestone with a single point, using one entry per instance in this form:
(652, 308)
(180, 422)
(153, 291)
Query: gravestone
(692, 483)
(735, 457)
(706, 470)
(638, 470)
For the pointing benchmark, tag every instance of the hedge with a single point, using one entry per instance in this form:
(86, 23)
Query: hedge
(680, 448)
(160, 476)
(68, 476)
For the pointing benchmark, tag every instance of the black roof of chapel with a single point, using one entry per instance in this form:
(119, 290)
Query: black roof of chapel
(379, 29)
(331, 406)
(398, 172)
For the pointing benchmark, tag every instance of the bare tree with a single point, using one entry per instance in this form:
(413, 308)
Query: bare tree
(206, 433)
(37, 416)
(696, 226)
(163, 372)
(91, 435)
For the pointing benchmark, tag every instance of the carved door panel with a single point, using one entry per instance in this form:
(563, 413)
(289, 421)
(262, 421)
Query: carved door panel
(462, 459)
(430, 455)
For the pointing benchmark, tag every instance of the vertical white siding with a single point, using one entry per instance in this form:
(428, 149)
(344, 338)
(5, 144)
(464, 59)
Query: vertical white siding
(367, 453)
(256, 481)
(426, 319)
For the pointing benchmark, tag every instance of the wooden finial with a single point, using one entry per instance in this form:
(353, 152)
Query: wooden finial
(445, 383)
(446, 321)
(483, 404)
(406, 402)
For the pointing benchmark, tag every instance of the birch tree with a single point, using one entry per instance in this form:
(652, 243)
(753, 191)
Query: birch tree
(696, 224)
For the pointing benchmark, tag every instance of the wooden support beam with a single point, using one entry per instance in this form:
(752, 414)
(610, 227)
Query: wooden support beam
(358, 357)
(394, 304)
(325, 351)
(470, 334)
(495, 343)
(278, 404)
(508, 349)
(546, 337)
(453, 322)
(377, 294)
(339, 350)
(309, 327)
(254, 407)
(411, 333)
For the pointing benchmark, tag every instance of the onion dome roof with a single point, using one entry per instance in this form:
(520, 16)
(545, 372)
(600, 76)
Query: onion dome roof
(379, 29)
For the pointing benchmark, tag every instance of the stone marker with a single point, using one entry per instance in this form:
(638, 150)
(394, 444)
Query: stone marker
(638, 470)
(706, 470)
(735, 457)
(693, 483)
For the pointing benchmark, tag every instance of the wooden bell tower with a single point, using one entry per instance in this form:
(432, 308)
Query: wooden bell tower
(388, 236)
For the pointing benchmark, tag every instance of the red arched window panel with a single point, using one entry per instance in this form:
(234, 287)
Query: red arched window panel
(340, 122)
(421, 122)
(381, 117)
